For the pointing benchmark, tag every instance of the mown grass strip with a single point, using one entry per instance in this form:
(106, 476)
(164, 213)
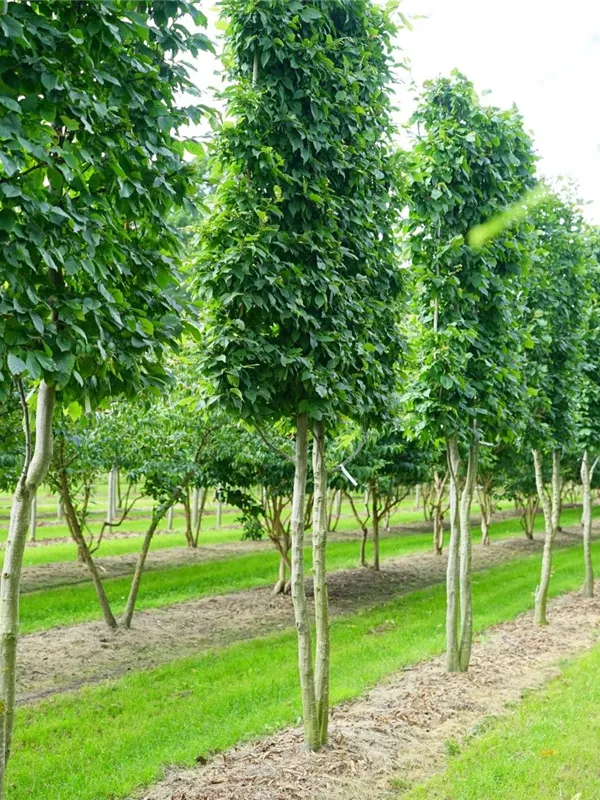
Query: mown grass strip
(67, 605)
(547, 748)
(103, 741)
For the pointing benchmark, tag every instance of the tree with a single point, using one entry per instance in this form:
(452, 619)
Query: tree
(556, 301)
(298, 271)
(468, 163)
(588, 403)
(89, 170)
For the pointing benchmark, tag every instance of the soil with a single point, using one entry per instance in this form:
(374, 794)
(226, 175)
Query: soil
(65, 658)
(396, 735)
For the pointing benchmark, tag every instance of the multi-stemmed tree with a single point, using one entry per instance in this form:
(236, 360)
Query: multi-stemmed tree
(299, 273)
(468, 163)
(89, 171)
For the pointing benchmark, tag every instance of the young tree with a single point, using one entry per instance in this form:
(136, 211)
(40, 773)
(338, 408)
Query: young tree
(467, 164)
(299, 271)
(588, 403)
(557, 299)
(89, 170)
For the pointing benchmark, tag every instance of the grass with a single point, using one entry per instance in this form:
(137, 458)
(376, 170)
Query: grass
(67, 605)
(104, 741)
(547, 748)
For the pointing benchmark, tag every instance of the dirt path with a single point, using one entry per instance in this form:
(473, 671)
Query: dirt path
(397, 732)
(67, 573)
(66, 658)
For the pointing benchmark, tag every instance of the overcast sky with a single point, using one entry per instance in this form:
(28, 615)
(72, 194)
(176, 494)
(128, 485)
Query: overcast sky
(540, 54)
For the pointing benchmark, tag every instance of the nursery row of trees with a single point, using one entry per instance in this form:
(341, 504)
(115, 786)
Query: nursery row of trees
(427, 316)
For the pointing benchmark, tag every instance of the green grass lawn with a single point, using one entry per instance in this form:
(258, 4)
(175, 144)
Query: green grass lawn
(547, 748)
(66, 605)
(102, 742)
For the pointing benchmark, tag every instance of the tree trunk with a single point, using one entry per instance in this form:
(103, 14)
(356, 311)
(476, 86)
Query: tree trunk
(541, 592)
(187, 513)
(219, 511)
(417, 498)
(466, 600)
(200, 515)
(452, 572)
(319, 531)
(279, 587)
(33, 474)
(438, 533)
(586, 481)
(84, 550)
(141, 563)
(195, 508)
(375, 523)
(170, 518)
(363, 546)
(312, 736)
(556, 491)
(59, 510)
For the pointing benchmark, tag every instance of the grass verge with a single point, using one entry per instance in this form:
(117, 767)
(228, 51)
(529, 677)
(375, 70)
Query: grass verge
(547, 748)
(102, 742)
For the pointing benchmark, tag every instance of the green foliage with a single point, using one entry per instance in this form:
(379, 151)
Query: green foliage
(468, 163)
(299, 263)
(557, 299)
(89, 169)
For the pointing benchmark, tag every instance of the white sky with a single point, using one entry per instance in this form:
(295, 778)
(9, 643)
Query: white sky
(540, 54)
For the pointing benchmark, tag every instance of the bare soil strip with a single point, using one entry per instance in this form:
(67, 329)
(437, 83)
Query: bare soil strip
(67, 573)
(395, 735)
(62, 659)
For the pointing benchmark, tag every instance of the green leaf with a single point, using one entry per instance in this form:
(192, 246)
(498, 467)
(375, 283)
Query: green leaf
(8, 219)
(11, 104)
(76, 35)
(16, 365)
(310, 14)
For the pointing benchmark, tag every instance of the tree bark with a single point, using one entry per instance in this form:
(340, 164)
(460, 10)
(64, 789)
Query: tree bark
(452, 572)
(33, 474)
(170, 518)
(312, 736)
(586, 482)
(465, 570)
(319, 531)
(84, 550)
(541, 592)
(141, 563)
(200, 515)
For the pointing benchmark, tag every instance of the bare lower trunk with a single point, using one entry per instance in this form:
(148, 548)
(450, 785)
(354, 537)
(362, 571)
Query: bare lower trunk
(83, 549)
(363, 546)
(33, 474)
(170, 516)
(187, 514)
(200, 515)
(586, 481)
(438, 533)
(219, 512)
(466, 601)
(485, 529)
(375, 513)
(141, 563)
(312, 736)
(279, 587)
(452, 572)
(541, 592)
(319, 531)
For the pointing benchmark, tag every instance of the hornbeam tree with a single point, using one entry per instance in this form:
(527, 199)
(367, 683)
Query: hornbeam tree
(557, 301)
(298, 272)
(89, 171)
(588, 405)
(467, 164)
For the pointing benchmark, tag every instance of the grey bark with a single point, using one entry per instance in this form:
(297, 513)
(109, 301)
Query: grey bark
(312, 736)
(34, 472)
(170, 516)
(452, 571)
(375, 523)
(319, 531)
(587, 473)
(548, 507)
(465, 558)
